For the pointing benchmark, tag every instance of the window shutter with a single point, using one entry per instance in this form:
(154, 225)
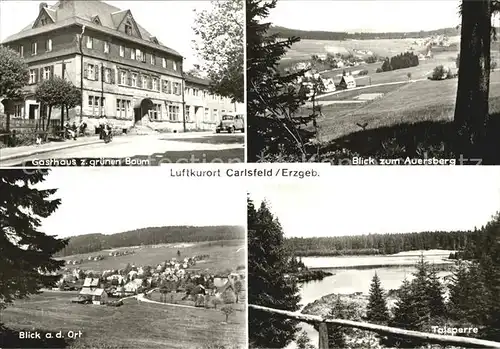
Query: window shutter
(139, 80)
(37, 77)
(112, 73)
(129, 78)
(150, 82)
(86, 71)
(96, 71)
(41, 74)
(51, 71)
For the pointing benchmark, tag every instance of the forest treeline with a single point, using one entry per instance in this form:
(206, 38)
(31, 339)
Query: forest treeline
(339, 36)
(150, 236)
(373, 244)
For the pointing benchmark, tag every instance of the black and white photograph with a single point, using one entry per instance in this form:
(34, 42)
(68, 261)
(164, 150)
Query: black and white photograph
(151, 82)
(373, 82)
(87, 261)
(412, 262)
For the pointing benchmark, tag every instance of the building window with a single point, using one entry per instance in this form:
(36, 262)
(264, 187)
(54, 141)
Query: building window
(123, 78)
(21, 50)
(18, 110)
(34, 48)
(48, 45)
(122, 108)
(166, 87)
(155, 113)
(128, 28)
(176, 88)
(163, 62)
(134, 80)
(144, 82)
(207, 111)
(32, 76)
(195, 92)
(90, 42)
(106, 47)
(215, 115)
(153, 59)
(132, 54)
(107, 75)
(91, 101)
(138, 54)
(173, 112)
(91, 72)
(187, 112)
(122, 51)
(155, 84)
(43, 21)
(174, 65)
(47, 73)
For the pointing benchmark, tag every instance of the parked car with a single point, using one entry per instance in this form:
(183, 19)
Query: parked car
(231, 123)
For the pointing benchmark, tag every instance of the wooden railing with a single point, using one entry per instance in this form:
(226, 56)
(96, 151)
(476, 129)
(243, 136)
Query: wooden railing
(385, 330)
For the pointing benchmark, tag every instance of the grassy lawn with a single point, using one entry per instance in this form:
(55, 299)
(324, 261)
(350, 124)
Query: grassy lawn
(133, 325)
(223, 255)
(416, 102)
(177, 299)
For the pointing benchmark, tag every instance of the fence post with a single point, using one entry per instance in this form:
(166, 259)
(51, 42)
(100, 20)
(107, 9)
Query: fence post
(323, 336)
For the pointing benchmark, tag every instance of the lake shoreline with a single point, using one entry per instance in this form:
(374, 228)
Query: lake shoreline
(444, 265)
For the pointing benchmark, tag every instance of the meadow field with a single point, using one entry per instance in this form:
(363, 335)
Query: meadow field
(222, 255)
(133, 325)
(413, 102)
(304, 49)
(413, 114)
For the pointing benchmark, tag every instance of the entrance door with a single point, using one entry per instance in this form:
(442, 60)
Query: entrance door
(33, 111)
(137, 115)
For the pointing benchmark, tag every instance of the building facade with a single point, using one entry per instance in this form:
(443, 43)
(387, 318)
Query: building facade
(122, 71)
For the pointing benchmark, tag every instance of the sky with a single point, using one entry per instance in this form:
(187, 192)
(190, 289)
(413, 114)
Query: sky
(170, 21)
(367, 16)
(361, 200)
(137, 198)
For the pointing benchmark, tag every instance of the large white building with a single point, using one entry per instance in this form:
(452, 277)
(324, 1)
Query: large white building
(122, 70)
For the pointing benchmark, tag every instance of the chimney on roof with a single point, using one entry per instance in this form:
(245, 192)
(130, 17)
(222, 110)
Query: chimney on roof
(42, 5)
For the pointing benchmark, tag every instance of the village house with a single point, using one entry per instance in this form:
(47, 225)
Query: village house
(220, 281)
(226, 293)
(97, 296)
(122, 71)
(347, 82)
(134, 286)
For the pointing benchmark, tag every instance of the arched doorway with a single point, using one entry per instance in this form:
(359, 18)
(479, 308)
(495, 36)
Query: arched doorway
(141, 108)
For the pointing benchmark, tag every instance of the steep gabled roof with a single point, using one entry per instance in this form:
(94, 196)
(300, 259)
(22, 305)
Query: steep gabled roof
(68, 12)
(45, 12)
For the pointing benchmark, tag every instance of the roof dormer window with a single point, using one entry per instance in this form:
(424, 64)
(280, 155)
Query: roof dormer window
(128, 28)
(96, 20)
(43, 21)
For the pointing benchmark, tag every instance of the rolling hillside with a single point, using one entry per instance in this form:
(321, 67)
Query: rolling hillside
(149, 236)
(326, 35)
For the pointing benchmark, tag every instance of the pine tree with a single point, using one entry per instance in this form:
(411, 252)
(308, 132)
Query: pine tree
(435, 293)
(26, 262)
(420, 294)
(405, 316)
(461, 293)
(273, 98)
(377, 307)
(268, 263)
